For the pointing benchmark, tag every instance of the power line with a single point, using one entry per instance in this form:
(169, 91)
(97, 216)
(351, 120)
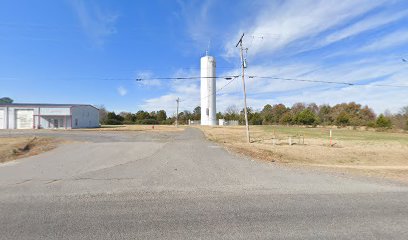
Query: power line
(220, 89)
(235, 77)
(301, 80)
(115, 79)
(217, 91)
(329, 82)
(180, 78)
(230, 78)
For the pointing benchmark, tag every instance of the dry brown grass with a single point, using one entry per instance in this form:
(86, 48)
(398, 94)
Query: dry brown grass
(372, 153)
(163, 128)
(12, 148)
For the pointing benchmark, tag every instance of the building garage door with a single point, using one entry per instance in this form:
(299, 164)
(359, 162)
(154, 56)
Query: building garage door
(2, 119)
(24, 119)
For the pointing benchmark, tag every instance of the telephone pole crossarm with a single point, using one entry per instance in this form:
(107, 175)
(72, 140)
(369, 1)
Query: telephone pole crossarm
(240, 40)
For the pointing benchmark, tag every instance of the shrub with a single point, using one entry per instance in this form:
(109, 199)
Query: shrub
(112, 121)
(383, 122)
(371, 124)
(148, 122)
(286, 118)
(306, 117)
(168, 121)
(128, 122)
(343, 119)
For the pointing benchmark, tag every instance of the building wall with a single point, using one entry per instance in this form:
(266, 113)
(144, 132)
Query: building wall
(2, 118)
(46, 115)
(10, 115)
(85, 117)
(65, 121)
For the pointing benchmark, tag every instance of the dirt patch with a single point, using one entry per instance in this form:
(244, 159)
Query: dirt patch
(383, 154)
(12, 148)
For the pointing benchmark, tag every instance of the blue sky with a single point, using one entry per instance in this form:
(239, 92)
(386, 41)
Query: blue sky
(73, 51)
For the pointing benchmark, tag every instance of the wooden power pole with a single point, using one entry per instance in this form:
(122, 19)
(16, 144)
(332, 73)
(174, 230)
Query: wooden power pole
(243, 65)
(178, 101)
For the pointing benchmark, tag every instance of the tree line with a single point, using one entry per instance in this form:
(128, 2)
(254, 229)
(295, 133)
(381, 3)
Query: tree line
(344, 114)
(140, 117)
(6, 100)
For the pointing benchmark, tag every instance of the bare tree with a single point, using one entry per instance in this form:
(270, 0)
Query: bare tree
(103, 114)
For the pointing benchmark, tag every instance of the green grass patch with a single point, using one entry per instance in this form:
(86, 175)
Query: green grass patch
(338, 133)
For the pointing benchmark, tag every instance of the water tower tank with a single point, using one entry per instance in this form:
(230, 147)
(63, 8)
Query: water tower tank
(208, 91)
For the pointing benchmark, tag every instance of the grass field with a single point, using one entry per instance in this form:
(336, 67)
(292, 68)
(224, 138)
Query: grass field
(12, 148)
(361, 151)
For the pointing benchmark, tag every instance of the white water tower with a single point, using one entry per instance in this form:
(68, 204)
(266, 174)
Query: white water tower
(208, 91)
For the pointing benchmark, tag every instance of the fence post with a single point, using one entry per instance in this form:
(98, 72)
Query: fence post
(331, 138)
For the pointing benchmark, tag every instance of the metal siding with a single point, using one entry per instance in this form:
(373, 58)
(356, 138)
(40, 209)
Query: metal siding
(54, 111)
(88, 116)
(24, 118)
(2, 119)
(11, 118)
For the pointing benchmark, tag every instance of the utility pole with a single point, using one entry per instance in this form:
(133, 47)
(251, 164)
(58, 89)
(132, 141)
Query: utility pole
(178, 101)
(243, 65)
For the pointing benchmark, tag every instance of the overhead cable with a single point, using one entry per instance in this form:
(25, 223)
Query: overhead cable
(329, 82)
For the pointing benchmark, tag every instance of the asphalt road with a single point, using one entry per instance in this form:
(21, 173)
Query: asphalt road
(180, 186)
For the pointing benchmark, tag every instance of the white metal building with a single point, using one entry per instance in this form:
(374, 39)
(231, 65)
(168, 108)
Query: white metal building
(208, 88)
(36, 116)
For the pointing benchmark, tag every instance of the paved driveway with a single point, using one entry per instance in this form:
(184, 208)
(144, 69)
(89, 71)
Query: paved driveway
(180, 186)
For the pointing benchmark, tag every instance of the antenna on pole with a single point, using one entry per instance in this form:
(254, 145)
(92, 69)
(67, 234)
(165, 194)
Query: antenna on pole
(208, 48)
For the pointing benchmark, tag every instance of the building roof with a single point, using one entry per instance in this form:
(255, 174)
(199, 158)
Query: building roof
(42, 105)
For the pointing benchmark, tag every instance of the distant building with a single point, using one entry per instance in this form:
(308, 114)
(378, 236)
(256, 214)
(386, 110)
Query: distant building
(49, 116)
(223, 122)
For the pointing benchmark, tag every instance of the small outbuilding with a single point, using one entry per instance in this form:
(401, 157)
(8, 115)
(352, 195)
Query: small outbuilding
(49, 116)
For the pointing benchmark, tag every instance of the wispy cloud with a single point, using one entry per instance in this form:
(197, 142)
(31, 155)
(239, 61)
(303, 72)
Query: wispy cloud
(365, 24)
(147, 79)
(391, 40)
(293, 27)
(188, 90)
(198, 20)
(368, 72)
(263, 91)
(122, 91)
(290, 21)
(96, 22)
